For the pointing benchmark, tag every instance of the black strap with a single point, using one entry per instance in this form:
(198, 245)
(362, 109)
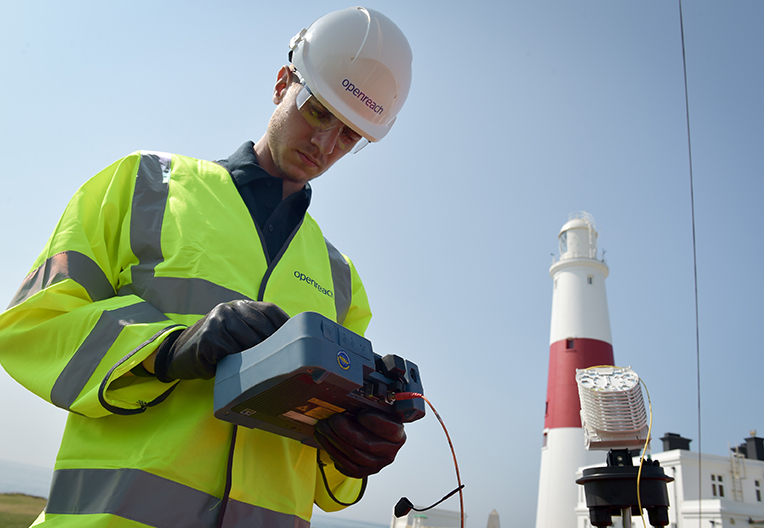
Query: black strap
(228, 478)
(321, 465)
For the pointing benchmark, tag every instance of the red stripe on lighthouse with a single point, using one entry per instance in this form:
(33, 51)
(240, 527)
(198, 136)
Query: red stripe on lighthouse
(565, 356)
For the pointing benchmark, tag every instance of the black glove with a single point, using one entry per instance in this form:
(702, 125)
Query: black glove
(360, 446)
(229, 328)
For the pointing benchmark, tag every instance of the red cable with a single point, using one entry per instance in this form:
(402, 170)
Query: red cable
(411, 396)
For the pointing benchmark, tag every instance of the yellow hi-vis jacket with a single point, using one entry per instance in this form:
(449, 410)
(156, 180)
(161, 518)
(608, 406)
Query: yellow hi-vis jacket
(147, 246)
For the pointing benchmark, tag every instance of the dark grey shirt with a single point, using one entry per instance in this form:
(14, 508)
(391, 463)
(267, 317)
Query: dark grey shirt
(276, 219)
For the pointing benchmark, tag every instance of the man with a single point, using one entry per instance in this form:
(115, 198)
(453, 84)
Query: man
(162, 265)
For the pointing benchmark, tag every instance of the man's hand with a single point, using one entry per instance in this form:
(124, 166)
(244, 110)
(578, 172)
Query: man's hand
(229, 328)
(360, 446)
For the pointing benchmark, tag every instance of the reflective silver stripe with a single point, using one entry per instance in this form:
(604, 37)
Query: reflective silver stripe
(147, 214)
(156, 501)
(343, 282)
(88, 356)
(240, 514)
(149, 200)
(169, 294)
(174, 295)
(133, 494)
(66, 265)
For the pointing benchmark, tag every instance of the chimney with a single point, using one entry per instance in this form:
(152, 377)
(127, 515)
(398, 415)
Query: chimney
(673, 441)
(754, 447)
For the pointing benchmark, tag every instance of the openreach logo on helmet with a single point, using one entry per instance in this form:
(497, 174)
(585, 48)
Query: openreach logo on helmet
(304, 278)
(365, 99)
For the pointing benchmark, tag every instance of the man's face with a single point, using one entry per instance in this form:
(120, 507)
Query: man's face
(300, 149)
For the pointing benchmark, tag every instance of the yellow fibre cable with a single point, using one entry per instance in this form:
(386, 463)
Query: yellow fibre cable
(647, 440)
(642, 457)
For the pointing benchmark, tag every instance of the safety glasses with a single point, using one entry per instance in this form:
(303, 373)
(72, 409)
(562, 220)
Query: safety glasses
(321, 119)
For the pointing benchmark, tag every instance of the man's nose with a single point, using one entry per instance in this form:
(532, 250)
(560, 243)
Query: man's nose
(326, 140)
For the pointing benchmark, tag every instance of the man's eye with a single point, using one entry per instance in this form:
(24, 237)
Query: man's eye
(321, 115)
(349, 135)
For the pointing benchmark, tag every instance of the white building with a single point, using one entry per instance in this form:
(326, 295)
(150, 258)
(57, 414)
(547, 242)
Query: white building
(711, 492)
(434, 518)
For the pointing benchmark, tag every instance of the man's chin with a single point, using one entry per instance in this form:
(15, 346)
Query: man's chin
(300, 177)
(301, 173)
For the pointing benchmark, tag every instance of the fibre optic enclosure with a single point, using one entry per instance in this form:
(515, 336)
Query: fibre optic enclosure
(308, 370)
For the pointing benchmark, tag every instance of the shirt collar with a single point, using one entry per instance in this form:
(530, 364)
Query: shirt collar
(244, 169)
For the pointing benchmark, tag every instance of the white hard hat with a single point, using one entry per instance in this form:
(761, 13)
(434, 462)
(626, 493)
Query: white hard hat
(357, 62)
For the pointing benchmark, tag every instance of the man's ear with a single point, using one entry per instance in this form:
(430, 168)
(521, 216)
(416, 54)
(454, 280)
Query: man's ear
(282, 84)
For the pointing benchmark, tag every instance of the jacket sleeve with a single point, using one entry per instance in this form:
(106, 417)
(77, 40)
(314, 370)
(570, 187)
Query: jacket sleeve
(68, 335)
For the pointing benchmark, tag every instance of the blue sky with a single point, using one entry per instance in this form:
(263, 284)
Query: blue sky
(520, 113)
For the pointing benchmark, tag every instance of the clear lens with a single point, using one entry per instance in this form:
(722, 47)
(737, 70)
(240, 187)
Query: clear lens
(323, 120)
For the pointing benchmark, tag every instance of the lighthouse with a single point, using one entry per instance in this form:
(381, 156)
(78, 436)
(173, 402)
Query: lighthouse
(579, 338)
